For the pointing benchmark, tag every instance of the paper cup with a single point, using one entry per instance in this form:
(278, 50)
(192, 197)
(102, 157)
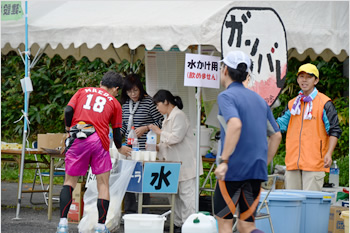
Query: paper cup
(153, 155)
(138, 155)
(145, 155)
(133, 155)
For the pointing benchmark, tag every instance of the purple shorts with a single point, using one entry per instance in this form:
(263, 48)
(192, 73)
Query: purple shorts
(84, 152)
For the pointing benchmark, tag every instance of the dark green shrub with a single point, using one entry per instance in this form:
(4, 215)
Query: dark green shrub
(54, 81)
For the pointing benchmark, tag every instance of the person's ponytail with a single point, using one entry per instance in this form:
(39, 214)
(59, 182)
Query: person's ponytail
(178, 102)
(240, 74)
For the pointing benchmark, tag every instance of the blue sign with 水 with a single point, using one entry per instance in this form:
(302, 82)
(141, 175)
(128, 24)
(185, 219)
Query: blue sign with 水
(135, 184)
(160, 177)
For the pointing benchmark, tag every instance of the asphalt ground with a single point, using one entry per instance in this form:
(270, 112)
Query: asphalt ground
(33, 218)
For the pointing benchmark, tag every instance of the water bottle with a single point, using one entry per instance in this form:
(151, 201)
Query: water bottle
(131, 136)
(151, 141)
(110, 138)
(135, 145)
(334, 174)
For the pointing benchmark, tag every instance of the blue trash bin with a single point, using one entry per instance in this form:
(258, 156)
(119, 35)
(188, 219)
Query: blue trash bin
(285, 210)
(315, 210)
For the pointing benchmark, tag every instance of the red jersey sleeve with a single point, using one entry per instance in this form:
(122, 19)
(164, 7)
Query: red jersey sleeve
(74, 100)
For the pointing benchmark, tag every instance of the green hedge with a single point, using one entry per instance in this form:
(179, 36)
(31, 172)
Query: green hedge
(54, 81)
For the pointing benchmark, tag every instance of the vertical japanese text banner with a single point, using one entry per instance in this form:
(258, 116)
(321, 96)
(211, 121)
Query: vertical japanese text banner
(260, 33)
(202, 71)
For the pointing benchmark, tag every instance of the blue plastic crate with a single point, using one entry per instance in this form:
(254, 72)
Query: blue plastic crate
(285, 211)
(315, 210)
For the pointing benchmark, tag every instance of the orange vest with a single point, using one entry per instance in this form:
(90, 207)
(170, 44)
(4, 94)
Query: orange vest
(307, 140)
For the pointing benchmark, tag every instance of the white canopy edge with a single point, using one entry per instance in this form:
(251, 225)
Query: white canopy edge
(96, 28)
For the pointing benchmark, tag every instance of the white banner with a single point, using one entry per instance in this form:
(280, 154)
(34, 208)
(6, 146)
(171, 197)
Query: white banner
(202, 71)
(260, 33)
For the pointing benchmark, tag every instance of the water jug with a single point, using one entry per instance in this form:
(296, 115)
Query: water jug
(151, 141)
(205, 139)
(131, 136)
(200, 223)
(334, 174)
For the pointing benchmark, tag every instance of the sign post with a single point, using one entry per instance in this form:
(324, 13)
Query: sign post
(201, 71)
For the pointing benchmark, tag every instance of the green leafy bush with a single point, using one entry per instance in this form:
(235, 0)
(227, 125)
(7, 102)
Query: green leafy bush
(54, 81)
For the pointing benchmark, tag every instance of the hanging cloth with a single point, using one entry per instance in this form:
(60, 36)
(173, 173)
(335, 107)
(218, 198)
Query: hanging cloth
(132, 112)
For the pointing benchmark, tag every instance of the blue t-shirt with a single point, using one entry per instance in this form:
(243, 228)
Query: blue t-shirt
(249, 159)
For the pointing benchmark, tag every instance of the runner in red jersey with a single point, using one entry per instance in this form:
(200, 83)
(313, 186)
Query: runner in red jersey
(87, 117)
(97, 107)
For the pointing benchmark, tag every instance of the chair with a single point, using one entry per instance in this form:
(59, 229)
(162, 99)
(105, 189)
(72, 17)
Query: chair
(211, 189)
(267, 185)
(58, 172)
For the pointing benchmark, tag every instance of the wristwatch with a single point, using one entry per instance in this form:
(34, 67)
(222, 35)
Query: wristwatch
(223, 161)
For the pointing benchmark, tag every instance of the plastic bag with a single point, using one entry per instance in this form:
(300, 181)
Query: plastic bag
(118, 183)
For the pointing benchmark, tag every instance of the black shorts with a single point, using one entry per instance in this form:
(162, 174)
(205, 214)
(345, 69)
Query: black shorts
(230, 193)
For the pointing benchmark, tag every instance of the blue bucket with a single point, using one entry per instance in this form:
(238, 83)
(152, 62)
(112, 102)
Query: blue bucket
(315, 210)
(285, 210)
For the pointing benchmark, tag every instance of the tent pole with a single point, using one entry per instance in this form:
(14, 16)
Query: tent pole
(26, 97)
(37, 56)
(198, 133)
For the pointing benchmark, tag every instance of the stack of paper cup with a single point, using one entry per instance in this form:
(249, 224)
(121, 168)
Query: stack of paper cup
(136, 155)
(152, 155)
(146, 155)
(133, 155)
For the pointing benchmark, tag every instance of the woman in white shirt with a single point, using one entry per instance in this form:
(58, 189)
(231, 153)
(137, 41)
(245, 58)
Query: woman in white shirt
(178, 143)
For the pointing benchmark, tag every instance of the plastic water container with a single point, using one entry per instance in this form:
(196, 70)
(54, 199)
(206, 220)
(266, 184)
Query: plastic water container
(145, 223)
(151, 141)
(131, 136)
(200, 223)
(285, 211)
(334, 174)
(135, 145)
(111, 142)
(315, 210)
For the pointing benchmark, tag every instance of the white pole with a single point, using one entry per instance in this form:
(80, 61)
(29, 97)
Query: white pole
(198, 133)
(26, 101)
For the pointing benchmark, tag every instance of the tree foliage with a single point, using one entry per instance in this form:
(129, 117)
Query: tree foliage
(54, 82)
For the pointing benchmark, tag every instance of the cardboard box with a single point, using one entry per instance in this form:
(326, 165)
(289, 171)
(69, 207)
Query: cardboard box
(51, 140)
(76, 209)
(336, 224)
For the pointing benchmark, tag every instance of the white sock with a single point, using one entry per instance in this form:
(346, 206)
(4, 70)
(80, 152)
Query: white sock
(100, 226)
(63, 221)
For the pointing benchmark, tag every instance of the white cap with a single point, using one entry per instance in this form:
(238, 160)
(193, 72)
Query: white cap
(234, 58)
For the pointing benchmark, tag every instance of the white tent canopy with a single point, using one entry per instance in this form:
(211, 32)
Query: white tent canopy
(108, 29)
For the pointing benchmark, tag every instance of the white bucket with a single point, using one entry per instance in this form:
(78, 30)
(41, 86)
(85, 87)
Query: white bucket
(200, 223)
(145, 223)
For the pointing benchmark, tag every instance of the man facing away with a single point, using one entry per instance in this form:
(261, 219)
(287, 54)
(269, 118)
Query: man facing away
(246, 152)
(87, 118)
